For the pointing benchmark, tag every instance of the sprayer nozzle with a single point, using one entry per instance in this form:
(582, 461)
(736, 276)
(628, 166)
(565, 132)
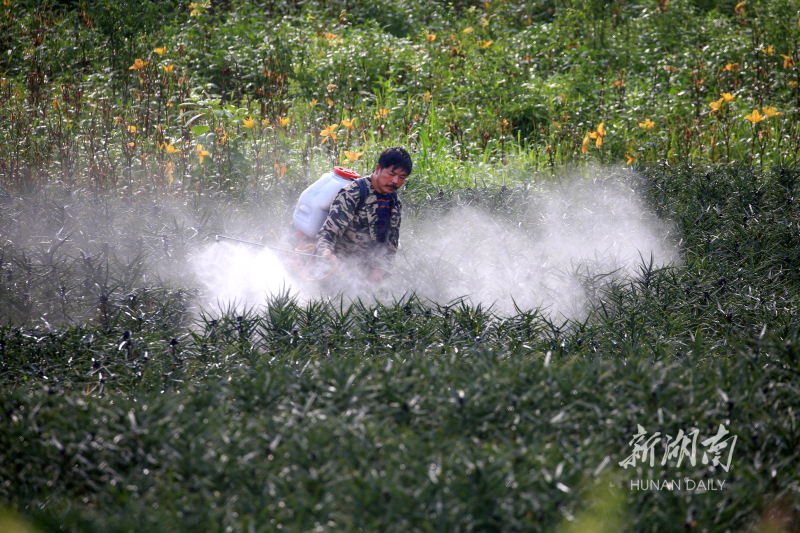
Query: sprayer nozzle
(217, 238)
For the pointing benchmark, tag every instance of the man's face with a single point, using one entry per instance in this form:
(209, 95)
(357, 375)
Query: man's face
(388, 180)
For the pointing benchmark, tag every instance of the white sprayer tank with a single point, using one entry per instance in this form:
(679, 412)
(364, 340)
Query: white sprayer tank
(315, 202)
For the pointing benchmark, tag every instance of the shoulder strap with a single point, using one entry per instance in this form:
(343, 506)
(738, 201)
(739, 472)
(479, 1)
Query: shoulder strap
(362, 187)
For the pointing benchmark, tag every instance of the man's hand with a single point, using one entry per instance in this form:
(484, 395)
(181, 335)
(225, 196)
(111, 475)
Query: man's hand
(375, 276)
(329, 257)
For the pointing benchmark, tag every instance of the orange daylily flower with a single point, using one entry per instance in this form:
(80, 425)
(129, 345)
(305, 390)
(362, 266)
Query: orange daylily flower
(788, 61)
(716, 105)
(283, 121)
(329, 133)
(352, 156)
(631, 158)
(381, 113)
(485, 44)
(585, 144)
(426, 97)
(431, 37)
(468, 30)
(168, 68)
(770, 112)
(161, 51)
(280, 169)
(348, 123)
(731, 67)
(727, 96)
(201, 153)
(137, 65)
(329, 101)
(132, 129)
(647, 124)
(755, 117)
(248, 122)
(598, 135)
(169, 148)
(769, 50)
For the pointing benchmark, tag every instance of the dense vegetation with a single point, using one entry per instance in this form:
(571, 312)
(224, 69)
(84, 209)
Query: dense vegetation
(131, 134)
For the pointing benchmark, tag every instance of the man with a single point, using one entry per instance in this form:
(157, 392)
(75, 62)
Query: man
(368, 235)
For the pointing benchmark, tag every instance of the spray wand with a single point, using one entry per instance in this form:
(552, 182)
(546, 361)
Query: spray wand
(267, 246)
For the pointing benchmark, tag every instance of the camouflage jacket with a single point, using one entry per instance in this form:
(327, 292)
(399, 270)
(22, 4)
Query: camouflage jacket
(351, 234)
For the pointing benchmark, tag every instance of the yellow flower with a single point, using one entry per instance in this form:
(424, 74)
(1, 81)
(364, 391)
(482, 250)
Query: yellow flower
(731, 67)
(716, 105)
(381, 113)
(161, 51)
(770, 112)
(598, 135)
(117, 121)
(329, 133)
(792, 84)
(585, 144)
(426, 97)
(330, 36)
(280, 169)
(169, 169)
(313, 102)
(484, 22)
(740, 7)
(331, 87)
(788, 61)
(202, 153)
(348, 123)
(468, 30)
(56, 104)
(195, 7)
(284, 121)
(248, 122)
(131, 145)
(485, 44)
(755, 117)
(631, 159)
(132, 129)
(769, 50)
(137, 64)
(169, 148)
(431, 37)
(352, 156)
(168, 68)
(647, 124)
(329, 101)
(728, 97)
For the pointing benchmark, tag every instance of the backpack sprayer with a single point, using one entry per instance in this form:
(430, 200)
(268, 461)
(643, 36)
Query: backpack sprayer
(309, 216)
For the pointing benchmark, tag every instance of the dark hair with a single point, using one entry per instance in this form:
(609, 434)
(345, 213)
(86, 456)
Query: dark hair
(395, 157)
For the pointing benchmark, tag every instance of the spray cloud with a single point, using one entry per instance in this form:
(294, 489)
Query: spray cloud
(550, 254)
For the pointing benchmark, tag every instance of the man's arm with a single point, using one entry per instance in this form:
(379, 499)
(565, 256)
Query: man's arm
(340, 215)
